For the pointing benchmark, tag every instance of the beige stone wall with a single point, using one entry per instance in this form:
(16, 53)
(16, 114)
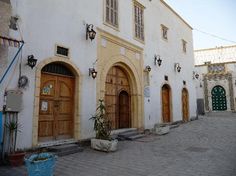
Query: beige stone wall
(113, 51)
(5, 13)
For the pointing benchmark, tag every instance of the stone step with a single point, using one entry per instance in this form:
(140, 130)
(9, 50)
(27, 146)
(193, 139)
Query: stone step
(128, 134)
(133, 137)
(123, 130)
(62, 150)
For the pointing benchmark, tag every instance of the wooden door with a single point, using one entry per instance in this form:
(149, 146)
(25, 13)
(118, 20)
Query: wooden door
(166, 104)
(185, 105)
(124, 110)
(56, 107)
(116, 82)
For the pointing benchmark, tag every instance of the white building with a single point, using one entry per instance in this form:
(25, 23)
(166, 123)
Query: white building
(131, 37)
(216, 88)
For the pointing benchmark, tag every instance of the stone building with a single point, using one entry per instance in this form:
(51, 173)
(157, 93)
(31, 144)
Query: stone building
(140, 59)
(216, 87)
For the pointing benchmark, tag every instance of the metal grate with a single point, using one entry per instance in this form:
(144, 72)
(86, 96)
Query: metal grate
(62, 51)
(57, 68)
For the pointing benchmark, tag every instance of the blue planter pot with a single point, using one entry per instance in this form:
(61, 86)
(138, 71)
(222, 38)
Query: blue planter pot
(41, 167)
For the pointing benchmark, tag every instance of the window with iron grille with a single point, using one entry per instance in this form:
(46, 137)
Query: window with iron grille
(184, 45)
(164, 31)
(112, 12)
(139, 21)
(62, 51)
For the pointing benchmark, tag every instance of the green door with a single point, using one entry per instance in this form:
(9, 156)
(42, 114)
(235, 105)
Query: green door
(219, 102)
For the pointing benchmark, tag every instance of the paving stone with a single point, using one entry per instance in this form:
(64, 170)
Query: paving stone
(204, 147)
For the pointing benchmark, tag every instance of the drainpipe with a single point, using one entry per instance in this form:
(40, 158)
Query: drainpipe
(8, 68)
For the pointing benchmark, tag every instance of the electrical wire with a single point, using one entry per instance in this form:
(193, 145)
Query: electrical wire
(215, 36)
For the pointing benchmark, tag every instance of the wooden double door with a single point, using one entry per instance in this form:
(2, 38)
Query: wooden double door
(166, 104)
(117, 98)
(56, 109)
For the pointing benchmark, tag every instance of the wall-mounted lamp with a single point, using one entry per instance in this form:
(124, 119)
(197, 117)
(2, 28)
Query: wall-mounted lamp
(13, 23)
(177, 67)
(93, 73)
(147, 68)
(195, 75)
(90, 33)
(157, 60)
(31, 61)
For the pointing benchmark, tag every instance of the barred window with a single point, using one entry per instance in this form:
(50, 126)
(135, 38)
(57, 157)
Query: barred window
(112, 12)
(164, 30)
(139, 21)
(184, 45)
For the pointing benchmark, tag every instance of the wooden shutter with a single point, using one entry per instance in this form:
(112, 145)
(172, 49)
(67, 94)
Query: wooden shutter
(112, 12)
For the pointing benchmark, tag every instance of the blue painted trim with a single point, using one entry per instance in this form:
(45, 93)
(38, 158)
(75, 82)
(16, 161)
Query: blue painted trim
(8, 68)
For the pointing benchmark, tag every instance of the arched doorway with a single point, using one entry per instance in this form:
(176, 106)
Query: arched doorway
(117, 98)
(56, 103)
(166, 104)
(219, 102)
(185, 105)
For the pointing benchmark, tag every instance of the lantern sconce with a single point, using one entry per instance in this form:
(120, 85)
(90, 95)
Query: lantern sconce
(90, 33)
(93, 73)
(177, 67)
(157, 60)
(31, 61)
(147, 69)
(195, 75)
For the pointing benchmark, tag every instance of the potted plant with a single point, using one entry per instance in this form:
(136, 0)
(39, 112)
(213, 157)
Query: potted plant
(161, 129)
(15, 157)
(102, 127)
(41, 164)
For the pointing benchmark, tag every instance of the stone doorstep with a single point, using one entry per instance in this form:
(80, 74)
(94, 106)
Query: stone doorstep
(136, 137)
(118, 131)
(66, 149)
(130, 135)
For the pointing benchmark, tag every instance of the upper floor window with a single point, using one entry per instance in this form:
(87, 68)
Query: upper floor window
(112, 12)
(184, 46)
(139, 21)
(164, 31)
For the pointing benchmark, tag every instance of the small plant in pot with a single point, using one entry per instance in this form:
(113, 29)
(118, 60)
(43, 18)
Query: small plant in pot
(15, 157)
(102, 127)
(41, 164)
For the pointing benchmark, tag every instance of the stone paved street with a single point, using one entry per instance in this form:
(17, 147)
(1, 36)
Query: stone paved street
(206, 147)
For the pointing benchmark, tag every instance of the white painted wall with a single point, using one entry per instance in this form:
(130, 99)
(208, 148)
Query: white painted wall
(46, 23)
(171, 52)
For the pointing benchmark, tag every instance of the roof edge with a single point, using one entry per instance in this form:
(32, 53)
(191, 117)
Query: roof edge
(171, 9)
(215, 48)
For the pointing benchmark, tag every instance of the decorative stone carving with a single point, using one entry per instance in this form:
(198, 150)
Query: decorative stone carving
(231, 92)
(216, 77)
(206, 92)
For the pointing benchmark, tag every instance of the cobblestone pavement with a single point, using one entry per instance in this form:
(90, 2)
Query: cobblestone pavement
(206, 147)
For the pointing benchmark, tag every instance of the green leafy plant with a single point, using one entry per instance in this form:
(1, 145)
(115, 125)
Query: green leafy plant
(12, 128)
(102, 125)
